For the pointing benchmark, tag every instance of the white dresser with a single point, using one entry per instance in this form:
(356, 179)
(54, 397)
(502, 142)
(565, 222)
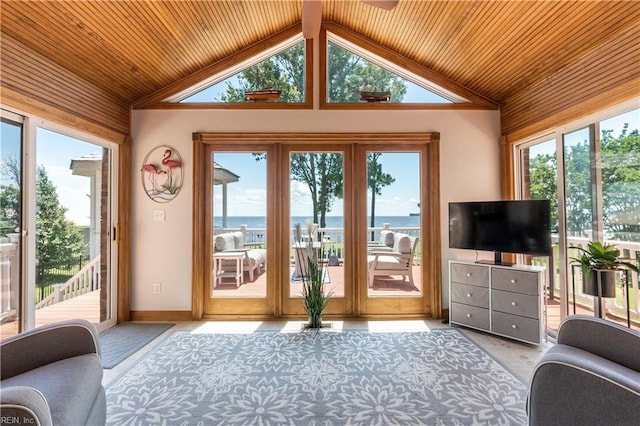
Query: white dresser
(504, 300)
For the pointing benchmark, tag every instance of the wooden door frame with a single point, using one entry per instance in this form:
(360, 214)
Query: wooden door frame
(430, 198)
(430, 303)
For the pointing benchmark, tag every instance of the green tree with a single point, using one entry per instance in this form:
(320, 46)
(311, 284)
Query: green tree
(543, 183)
(349, 74)
(376, 180)
(620, 183)
(57, 238)
(10, 198)
(321, 172)
(284, 71)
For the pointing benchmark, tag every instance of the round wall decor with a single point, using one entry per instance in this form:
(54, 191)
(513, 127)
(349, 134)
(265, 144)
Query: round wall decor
(161, 173)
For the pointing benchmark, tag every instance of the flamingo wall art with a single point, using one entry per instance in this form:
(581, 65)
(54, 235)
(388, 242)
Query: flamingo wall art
(161, 173)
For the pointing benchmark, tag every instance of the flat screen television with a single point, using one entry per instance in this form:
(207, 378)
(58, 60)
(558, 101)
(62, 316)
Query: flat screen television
(520, 226)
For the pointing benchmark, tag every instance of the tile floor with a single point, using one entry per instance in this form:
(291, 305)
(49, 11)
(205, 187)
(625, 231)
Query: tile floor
(518, 357)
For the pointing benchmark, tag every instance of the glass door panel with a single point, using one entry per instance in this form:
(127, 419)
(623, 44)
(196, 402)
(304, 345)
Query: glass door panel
(394, 267)
(316, 227)
(316, 208)
(239, 224)
(241, 282)
(620, 153)
(73, 229)
(11, 134)
(539, 182)
(579, 207)
(393, 216)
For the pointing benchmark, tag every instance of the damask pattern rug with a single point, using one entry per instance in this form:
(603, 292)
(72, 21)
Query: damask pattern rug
(317, 378)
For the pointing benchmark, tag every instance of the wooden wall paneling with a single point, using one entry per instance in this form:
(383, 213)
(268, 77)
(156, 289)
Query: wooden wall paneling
(157, 99)
(476, 101)
(603, 78)
(135, 49)
(36, 85)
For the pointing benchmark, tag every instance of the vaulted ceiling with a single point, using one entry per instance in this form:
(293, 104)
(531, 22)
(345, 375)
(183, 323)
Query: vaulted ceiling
(132, 49)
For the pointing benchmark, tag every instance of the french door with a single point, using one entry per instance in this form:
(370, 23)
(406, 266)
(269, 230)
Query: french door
(58, 220)
(391, 237)
(240, 224)
(253, 190)
(316, 196)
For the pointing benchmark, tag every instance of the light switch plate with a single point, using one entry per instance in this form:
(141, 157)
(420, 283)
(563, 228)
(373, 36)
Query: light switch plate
(159, 215)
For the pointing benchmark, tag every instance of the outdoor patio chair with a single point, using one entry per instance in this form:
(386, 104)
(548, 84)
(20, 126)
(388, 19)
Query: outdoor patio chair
(254, 258)
(397, 262)
(385, 243)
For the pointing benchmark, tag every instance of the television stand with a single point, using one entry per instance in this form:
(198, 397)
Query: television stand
(497, 260)
(507, 301)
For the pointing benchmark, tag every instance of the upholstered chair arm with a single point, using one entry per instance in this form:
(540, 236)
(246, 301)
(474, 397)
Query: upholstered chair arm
(596, 335)
(24, 405)
(62, 340)
(570, 386)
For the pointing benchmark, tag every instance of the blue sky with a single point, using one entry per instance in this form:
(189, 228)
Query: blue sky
(247, 197)
(55, 151)
(615, 123)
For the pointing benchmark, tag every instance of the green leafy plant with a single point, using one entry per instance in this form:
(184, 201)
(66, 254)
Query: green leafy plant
(599, 256)
(315, 298)
(598, 263)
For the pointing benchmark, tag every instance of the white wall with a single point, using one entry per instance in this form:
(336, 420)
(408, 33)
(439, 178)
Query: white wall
(161, 251)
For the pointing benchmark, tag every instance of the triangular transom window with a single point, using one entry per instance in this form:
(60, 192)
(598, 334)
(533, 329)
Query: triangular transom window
(357, 76)
(274, 76)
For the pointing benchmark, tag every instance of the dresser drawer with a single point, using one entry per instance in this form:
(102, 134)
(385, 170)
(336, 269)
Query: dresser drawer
(514, 281)
(470, 315)
(516, 326)
(524, 305)
(470, 274)
(470, 295)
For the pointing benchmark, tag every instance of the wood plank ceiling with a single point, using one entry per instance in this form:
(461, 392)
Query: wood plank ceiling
(131, 49)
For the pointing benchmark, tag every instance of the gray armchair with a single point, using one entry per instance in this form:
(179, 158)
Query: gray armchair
(590, 377)
(52, 375)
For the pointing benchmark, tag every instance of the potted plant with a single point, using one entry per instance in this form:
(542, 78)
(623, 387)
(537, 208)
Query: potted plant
(313, 274)
(605, 260)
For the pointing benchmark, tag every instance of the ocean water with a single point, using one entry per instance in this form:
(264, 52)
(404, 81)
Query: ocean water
(332, 221)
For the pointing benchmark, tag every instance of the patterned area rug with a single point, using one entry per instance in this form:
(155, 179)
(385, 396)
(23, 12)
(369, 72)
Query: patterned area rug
(307, 378)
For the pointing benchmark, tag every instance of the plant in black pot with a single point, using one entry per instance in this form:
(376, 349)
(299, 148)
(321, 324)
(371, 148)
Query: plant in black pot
(604, 260)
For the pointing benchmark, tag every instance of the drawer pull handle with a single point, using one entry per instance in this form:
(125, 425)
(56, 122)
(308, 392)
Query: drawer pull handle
(468, 294)
(514, 326)
(468, 315)
(513, 281)
(513, 303)
(468, 274)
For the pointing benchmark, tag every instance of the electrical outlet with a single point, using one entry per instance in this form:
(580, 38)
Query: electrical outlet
(157, 288)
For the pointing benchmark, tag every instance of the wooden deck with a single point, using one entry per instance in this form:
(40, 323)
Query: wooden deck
(86, 307)
(383, 286)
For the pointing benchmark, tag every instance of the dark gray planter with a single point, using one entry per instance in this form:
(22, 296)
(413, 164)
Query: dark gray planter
(607, 281)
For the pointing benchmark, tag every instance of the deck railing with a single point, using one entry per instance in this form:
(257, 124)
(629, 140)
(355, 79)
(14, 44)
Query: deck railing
(9, 279)
(616, 306)
(332, 237)
(85, 281)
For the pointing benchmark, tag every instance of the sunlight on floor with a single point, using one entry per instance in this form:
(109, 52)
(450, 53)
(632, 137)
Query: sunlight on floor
(247, 327)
